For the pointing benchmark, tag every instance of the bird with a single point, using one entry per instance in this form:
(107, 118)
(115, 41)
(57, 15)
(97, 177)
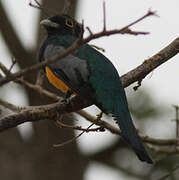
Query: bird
(89, 74)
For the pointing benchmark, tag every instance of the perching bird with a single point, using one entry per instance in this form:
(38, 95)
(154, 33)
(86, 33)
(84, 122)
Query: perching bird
(89, 74)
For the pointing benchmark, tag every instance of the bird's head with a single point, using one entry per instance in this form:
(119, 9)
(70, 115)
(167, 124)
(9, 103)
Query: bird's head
(63, 25)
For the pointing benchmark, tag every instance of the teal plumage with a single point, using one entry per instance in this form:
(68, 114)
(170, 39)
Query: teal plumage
(91, 75)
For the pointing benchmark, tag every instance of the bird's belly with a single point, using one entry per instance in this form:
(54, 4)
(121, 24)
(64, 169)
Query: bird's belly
(56, 81)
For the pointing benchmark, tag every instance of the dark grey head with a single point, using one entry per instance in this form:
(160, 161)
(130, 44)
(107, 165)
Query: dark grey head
(63, 24)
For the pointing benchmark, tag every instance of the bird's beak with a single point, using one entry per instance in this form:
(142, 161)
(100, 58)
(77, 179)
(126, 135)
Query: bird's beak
(48, 23)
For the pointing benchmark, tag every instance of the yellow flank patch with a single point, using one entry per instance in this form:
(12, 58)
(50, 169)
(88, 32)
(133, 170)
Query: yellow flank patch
(56, 81)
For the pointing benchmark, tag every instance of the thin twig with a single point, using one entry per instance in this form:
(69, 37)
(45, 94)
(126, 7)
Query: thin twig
(62, 125)
(85, 130)
(138, 85)
(167, 151)
(149, 13)
(12, 65)
(46, 11)
(73, 139)
(10, 106)
(89, 30)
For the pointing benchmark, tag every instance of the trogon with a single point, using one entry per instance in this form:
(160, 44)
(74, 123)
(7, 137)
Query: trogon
(89, 74)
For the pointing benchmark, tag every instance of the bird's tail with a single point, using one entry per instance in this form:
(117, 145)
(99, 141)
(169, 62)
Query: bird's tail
(129, 132)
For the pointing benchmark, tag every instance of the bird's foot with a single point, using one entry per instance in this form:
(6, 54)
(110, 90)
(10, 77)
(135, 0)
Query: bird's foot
(67, 97)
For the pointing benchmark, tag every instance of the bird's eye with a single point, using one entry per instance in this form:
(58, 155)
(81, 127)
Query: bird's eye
(69, 23)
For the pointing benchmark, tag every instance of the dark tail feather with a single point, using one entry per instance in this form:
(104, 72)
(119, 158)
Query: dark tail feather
(129, 133)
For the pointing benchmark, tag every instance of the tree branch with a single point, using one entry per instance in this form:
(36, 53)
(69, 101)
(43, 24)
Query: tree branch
(53, 111)
(152, 63)
(171, 50)
(74, 46)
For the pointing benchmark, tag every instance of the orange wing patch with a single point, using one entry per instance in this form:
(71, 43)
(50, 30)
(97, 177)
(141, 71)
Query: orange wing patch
(56, 81)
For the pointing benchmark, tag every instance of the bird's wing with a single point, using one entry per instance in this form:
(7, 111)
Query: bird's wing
(104, 78)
